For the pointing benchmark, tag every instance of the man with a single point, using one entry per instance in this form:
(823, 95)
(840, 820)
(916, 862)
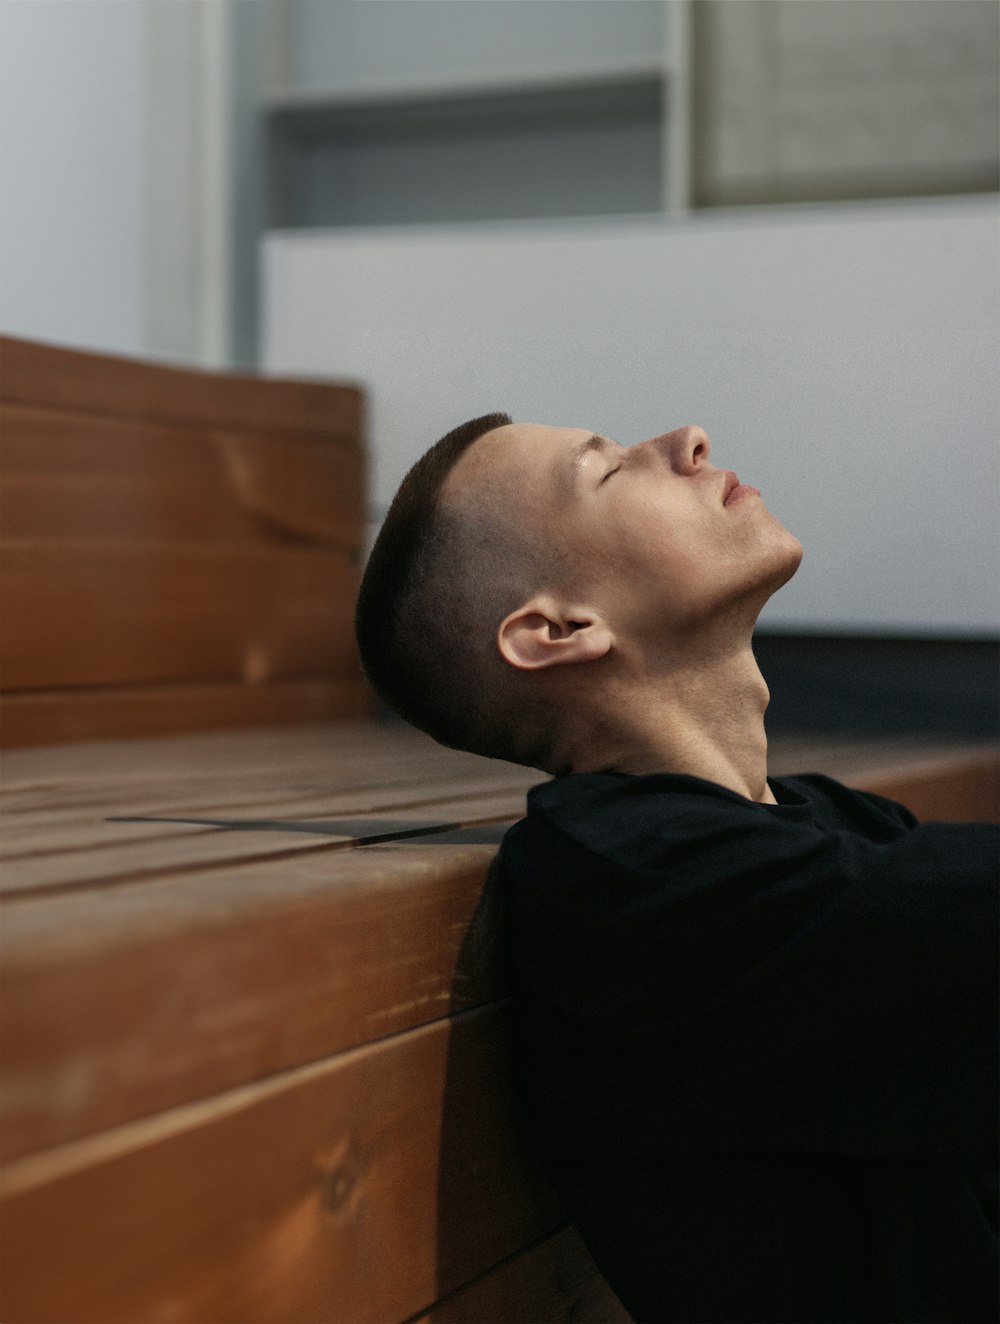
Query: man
(756, 1030)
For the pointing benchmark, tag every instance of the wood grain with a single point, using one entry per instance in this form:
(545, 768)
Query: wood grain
(167, 530)
(121, 1004)
(171, 613)
(35, 823)
(68, 476)
(330, 755)
(359, 1189)
(55, 377)
(119, 853)
(46, 717)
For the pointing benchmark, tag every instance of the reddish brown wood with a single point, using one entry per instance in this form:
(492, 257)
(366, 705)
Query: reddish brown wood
(59, 378)
(323, 755)
(121, 1003)
(165, 528)
(79, 821)
(958, 789)
(97, 851)
(83, 476)
(359, 1189)
(45, 717)
(123, 853)
(78, 614)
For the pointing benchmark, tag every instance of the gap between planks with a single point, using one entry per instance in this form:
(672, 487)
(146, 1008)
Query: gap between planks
(27, 1174)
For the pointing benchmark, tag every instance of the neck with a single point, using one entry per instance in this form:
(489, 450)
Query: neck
(700, 714)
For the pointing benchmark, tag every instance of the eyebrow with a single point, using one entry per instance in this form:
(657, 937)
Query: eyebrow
(595, 442)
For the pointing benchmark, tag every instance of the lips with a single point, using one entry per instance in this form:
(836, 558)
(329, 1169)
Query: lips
(734, 489)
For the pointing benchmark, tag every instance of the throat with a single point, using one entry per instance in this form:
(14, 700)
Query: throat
(703, 719)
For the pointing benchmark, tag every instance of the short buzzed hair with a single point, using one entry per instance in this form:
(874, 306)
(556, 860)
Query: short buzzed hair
(438, 583)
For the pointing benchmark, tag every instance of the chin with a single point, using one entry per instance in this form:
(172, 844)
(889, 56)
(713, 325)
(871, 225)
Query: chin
(793, 550)
(781, 563)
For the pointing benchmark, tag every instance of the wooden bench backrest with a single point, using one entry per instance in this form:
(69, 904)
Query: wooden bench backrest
(179, 548)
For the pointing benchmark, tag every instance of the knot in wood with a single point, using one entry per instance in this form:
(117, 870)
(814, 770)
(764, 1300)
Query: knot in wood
(340, 1183)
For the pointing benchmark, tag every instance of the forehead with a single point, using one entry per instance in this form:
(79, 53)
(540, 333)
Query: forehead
(528, 457)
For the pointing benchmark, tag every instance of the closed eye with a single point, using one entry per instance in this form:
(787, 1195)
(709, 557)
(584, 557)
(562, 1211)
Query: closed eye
(608, 474)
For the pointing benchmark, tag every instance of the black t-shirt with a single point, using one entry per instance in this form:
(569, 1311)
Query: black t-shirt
(756, 1045)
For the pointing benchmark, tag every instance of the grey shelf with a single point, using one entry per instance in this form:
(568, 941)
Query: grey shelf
(628, 93)
(578, 143)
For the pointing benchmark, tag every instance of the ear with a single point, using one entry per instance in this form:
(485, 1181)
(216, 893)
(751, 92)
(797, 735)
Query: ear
(545, 633)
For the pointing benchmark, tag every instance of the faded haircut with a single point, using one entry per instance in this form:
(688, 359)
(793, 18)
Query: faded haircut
(440, 579)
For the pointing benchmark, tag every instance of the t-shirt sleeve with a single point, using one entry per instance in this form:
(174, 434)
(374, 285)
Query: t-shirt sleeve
(761, 985)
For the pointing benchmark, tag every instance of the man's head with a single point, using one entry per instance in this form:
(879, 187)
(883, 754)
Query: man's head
(444, 570)
(521, 566)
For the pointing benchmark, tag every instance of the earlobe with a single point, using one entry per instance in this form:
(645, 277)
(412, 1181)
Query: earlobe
(544, 633)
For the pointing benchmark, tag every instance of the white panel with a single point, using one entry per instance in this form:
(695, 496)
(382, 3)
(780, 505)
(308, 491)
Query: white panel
(843, 359)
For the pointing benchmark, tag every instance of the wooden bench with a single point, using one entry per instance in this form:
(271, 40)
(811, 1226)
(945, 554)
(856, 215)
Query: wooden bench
(180, 548)
(252, 1068)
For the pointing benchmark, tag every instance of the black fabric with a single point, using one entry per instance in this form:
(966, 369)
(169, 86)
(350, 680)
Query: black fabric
(756, 1045)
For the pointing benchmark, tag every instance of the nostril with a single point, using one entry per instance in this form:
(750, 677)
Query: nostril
(700, 445)
(692, 446)
(686, 448)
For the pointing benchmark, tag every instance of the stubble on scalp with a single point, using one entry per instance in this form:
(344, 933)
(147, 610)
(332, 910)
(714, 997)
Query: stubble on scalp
(499, 550)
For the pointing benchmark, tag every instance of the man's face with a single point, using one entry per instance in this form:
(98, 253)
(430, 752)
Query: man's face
(662, 537)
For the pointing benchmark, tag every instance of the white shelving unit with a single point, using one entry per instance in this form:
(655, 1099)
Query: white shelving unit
(566, 110)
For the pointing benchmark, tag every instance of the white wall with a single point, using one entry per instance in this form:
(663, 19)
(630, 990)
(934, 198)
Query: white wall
(842, 358)
(114, 152)
(74, 171)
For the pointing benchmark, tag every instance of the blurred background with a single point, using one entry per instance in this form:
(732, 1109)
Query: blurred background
(776, 218)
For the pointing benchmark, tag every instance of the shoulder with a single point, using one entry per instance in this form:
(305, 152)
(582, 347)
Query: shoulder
(845, 806)
(634, 824)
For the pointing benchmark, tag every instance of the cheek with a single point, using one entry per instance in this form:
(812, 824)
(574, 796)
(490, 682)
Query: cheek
(660, 537)
(664, 568)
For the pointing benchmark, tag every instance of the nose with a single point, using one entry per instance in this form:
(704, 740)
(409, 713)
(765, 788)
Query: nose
(686, 449)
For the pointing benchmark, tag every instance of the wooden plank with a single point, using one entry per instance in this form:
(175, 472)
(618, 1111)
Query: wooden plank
(330, 754)
(173, 848)
(937, 779)
(40, 826)
(121, 853)
(52, 717)
(172, 613)
(67, 476)
(553, 1281)
(59, 378)
(964, 788)
(31, 824)
(368, 790)
(359, 1189)
(118, 1006)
